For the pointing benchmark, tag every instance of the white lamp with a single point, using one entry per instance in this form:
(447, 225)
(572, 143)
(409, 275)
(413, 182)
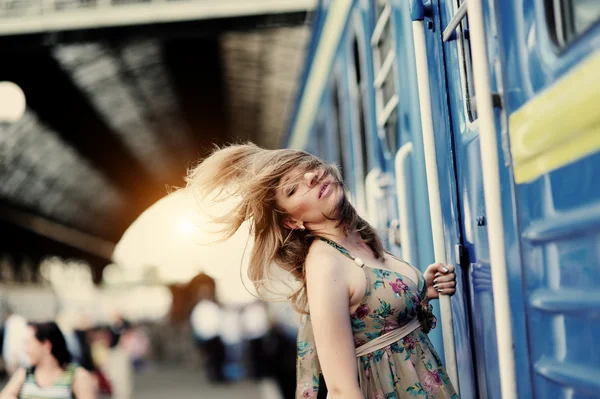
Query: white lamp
(12, 102)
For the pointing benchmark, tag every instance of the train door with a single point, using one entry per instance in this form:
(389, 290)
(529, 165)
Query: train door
(451, 142)
(411, 180)
(396, 123)
(465, 135)
(553, 91)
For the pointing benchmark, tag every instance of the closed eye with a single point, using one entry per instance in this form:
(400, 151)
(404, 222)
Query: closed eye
(291, 191)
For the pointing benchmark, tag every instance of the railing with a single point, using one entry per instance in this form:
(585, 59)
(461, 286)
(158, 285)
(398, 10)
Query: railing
(456, 20)
(433, 184)
(384, 69)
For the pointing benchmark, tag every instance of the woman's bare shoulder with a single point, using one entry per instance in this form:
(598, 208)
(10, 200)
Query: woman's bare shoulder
(82, 374)
(322, 261)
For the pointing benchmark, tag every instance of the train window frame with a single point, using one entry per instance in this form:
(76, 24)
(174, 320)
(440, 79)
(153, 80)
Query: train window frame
(466, 69)
(358, 85)
(561, 24)
(339, 131)
(321, 133)
(386, 109)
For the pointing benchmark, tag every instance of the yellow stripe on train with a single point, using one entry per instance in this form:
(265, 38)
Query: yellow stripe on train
(559, 126)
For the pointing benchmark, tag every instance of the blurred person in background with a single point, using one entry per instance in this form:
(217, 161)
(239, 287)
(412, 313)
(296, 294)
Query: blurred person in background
(86, 361)
(280, 348)
(136, 344)
(65, 321)
(206, 325)
(119, 371)
(115, 374)
(118, 327)
(255, 325)
(13, 347)
(280, 359)
(99, 341)
(52, 375)
(231, 334)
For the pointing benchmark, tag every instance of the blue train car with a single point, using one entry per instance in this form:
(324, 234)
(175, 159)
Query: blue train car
(468, 132)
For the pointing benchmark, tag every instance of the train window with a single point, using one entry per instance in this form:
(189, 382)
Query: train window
(360, 95)
(363, 135)
(384, 60)
(464, 56)
(339, 132)
(569, 19)
(357, 68)
(321, 136)
(468, 82)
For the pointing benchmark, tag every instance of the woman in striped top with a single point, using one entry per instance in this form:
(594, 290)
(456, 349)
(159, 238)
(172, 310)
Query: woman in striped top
(51, 375)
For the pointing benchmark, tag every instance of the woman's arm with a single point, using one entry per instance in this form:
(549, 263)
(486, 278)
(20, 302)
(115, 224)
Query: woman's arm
(329, 305)
(13, 387)
(83, 385)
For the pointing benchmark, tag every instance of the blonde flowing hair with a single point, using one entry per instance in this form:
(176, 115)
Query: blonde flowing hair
(252, 175)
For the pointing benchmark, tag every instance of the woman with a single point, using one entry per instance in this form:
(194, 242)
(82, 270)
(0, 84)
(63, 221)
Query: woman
(368, 310)
(52, 375)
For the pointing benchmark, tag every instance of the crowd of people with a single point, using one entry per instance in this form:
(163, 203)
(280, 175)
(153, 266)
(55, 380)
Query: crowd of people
(250, 341)
(253, 341)
(85, 360)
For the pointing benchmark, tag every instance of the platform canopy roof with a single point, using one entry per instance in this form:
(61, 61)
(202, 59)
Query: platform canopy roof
(116, 114)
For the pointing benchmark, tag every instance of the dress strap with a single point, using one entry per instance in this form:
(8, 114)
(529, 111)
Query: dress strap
(344, 251)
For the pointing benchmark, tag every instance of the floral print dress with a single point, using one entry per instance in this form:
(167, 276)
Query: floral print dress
(407, 368)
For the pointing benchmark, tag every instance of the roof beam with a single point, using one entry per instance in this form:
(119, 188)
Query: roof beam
(64, 109)
(58, 232)
(198, 83)
(107, 14)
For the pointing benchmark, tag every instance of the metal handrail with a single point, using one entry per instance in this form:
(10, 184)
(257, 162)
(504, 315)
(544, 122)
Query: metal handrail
(402, 179)
(455, 21)
(385, 69)
(387, 111)
(493, 201)
(433, 188)
(381, 22)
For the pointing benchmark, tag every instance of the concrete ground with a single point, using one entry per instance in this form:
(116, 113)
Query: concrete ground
(185, 383)
(174, 383)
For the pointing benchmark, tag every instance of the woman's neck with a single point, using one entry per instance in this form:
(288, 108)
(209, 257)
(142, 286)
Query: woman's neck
(338, 234)
(48, 364)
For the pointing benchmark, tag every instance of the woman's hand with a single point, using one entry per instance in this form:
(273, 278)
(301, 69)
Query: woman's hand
(440, 279)
(13, 387)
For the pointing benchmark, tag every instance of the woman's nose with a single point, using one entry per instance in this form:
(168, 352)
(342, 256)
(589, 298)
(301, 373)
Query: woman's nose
(310, 178)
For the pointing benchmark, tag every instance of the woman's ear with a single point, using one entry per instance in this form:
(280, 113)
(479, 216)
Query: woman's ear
(290, 224)
(294, 225)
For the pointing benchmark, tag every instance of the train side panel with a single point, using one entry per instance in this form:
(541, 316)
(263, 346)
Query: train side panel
(550, 58)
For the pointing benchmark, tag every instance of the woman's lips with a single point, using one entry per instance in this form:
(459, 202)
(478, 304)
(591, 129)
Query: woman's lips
(325, 188)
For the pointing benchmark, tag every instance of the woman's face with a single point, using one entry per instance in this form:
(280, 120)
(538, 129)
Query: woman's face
(36, 349)
(308, 196)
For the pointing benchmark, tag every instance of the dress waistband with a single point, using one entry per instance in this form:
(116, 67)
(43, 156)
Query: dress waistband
(387, 339)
